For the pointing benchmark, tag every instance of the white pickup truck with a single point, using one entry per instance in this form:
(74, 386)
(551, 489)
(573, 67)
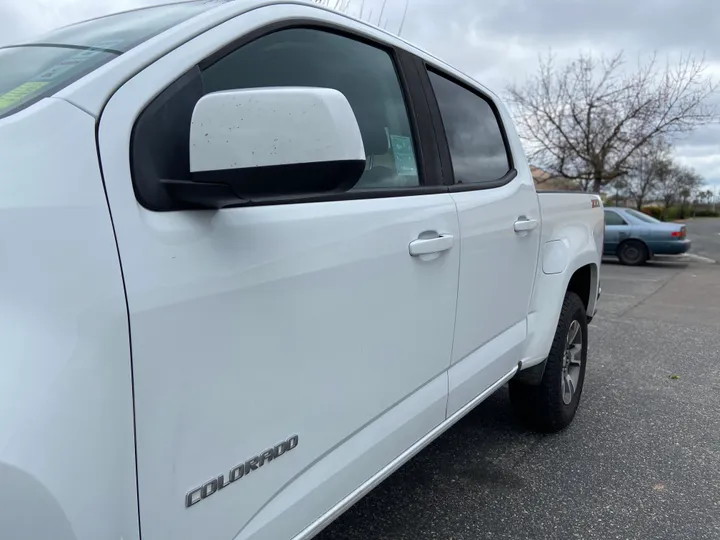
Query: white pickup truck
(255, 256)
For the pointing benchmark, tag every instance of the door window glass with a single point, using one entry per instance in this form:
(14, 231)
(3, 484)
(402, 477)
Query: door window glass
(612, 218)
(365, 74)
(641, 216)
(477, 148)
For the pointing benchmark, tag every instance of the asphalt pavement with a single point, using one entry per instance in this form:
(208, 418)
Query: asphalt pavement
(705, 235)
(640, 461)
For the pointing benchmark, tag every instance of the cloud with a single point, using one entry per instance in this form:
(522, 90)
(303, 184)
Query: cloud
(496, 42)
(20, 20)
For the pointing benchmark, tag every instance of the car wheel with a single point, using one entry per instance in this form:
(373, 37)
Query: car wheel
(551, 405)
(633, 253)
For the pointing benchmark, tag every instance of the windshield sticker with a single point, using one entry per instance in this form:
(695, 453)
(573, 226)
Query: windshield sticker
(59, 69)
(20, 93)
(109, 44)
(75, 60)
(402, 149)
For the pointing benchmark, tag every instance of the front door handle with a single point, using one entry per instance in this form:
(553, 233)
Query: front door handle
(524, 224)
(427, 246)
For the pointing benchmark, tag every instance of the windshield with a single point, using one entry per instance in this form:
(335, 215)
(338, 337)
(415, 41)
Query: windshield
(641, 216)
(32, 71)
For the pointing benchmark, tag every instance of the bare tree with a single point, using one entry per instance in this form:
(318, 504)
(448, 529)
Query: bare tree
(337, 5)
(622, 193)
(343, 6)
(587, 121)
(689, 183)
(666, 184)
(643, 170)
(707, 196)
(404, 17)
(676, 184)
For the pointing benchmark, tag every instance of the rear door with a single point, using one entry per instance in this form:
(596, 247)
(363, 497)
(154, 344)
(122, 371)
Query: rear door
(617, 229)
(304, 327)
(499, 215)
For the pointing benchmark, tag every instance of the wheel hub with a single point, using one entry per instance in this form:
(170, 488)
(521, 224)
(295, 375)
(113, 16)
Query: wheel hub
(571, 362)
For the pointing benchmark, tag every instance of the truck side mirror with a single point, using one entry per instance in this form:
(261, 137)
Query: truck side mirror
(266, 144)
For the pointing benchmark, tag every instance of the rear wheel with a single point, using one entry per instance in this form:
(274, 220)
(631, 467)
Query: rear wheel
(633, 253)
(551, 405)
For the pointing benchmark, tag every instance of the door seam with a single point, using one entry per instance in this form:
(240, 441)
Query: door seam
(457, 300)
(127, 311)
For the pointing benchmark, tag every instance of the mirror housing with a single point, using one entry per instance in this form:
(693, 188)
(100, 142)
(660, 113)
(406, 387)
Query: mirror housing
(269, 144)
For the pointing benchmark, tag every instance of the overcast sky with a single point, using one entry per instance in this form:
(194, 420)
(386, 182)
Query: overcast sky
(497, 41)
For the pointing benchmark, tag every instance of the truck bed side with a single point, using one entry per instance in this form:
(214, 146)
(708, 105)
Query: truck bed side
(570, 255)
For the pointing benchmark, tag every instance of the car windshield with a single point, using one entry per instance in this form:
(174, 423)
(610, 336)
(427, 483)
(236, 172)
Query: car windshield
(32, 71)
(641, 216)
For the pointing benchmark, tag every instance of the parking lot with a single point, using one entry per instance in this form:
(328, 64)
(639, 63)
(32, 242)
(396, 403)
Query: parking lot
(641, 460)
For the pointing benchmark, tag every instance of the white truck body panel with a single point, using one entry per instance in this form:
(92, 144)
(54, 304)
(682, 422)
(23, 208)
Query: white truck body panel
(188, 274)
(489, 342)
(146, 353)
(566, 220)
(67, 464)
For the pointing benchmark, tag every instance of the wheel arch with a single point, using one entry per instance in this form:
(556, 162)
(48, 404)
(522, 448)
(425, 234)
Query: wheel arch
(582, 278)
(583, 282)
(29, 509)
(548, 403)
(633, 239)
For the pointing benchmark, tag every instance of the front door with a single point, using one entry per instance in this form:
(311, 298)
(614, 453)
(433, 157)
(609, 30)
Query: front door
(500, 222)
(282, 354)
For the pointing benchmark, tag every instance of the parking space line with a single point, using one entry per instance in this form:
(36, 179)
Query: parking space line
(628, 278)
(620, 295)
(700, 258)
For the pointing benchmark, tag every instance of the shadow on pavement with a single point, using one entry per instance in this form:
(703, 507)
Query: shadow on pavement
(664, 262)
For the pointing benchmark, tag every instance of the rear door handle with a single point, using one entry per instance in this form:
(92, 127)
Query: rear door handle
(426, 246)
(523, 225)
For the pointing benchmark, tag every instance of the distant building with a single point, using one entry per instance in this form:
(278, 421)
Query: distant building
(545, 181)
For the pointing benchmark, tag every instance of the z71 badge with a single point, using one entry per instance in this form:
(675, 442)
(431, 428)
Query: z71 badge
(214, 485)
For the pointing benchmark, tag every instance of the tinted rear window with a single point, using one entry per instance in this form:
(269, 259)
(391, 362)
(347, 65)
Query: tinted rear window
(612, 218)
(642, 217)
(35, 70)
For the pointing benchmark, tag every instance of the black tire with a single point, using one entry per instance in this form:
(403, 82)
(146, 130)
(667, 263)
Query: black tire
(541, 407)
(633, 253)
